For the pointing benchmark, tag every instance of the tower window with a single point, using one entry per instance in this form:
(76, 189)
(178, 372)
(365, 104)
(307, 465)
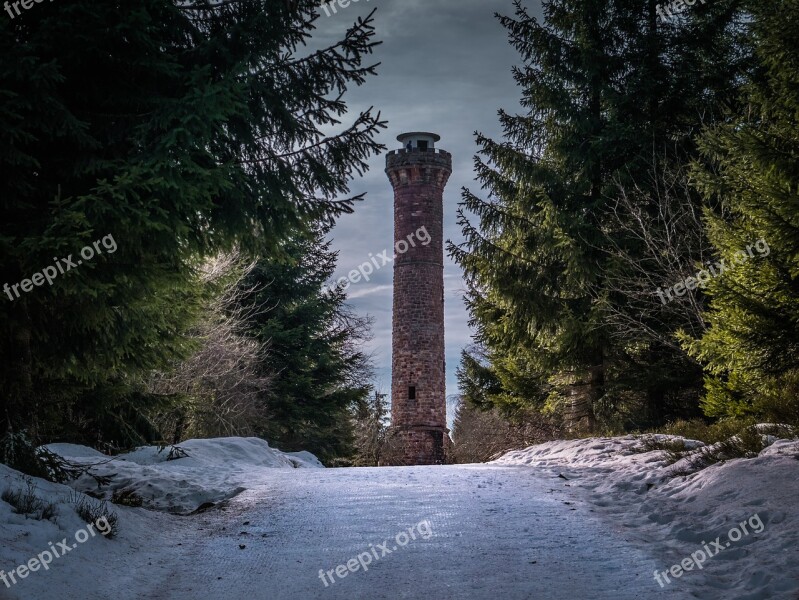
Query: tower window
(422, 145)
(412, 392)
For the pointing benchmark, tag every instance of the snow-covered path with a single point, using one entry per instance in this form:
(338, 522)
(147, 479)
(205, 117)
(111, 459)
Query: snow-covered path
(497, 533)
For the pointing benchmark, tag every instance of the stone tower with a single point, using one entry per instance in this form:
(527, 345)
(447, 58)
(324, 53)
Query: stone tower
(418, 174)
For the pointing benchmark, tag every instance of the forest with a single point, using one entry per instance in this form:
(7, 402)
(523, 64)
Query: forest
(629, 247)
(630, 255)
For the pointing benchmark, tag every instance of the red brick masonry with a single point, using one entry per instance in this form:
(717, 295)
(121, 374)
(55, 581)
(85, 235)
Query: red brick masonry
(420, 423)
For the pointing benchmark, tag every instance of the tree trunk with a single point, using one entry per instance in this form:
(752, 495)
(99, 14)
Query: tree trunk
(583, 393)
(21, 396)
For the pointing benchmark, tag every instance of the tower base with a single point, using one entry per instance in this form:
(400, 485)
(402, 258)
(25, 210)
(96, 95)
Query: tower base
(418, 446)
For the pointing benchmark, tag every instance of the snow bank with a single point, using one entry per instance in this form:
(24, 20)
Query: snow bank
(210, 471)
(637, 491)
(96, 558)
(182, 479)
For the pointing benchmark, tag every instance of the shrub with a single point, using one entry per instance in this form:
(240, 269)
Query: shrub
(675, 449)
(91, 512)
(483, 435)
(19, 452)
(709, 433)
(175, 452)
(127, 498)
(725, 439)
(695, 429)
(26, 502)
(746, 443)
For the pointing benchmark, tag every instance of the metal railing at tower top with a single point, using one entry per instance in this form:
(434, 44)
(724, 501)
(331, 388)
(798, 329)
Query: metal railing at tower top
(419, 151)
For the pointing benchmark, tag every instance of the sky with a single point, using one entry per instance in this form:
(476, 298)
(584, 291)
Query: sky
(446, 68)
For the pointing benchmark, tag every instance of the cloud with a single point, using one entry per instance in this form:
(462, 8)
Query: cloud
(362, 291)
(446, 67)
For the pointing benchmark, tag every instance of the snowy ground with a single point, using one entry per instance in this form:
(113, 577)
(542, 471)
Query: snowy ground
(494, 532)
(636, 492)
(211, 470)
(98, 567)
(502, 530)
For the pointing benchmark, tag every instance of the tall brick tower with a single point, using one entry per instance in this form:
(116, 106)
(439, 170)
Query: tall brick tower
(418, 174)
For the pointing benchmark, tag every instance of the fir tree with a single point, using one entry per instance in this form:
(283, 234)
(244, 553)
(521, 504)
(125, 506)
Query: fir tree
(311, 345)
(599, 87)
(751, 349)
(182, 129)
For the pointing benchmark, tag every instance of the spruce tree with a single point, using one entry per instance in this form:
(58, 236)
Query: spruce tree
(601, 93)
(751, 348)
(311, 347)
(182, 130)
